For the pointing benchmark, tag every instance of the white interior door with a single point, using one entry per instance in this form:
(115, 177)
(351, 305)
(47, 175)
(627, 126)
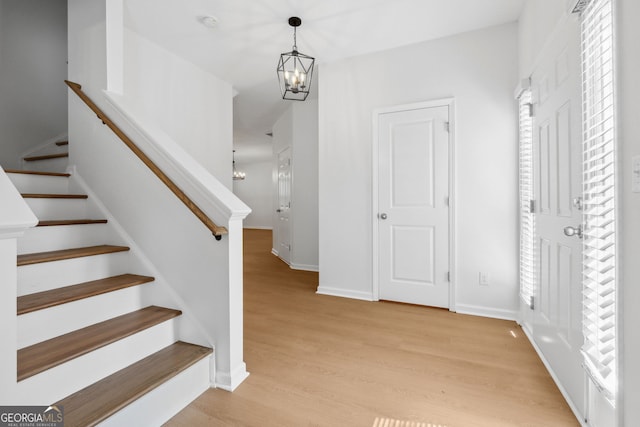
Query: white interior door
(284, 205)
(557, 312)
(413, 217)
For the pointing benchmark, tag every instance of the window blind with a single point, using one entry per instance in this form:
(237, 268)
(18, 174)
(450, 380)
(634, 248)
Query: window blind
(599, 193)
(527, 218)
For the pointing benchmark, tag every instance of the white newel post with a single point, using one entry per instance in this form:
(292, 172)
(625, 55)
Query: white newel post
(15, 218)
(238, 369)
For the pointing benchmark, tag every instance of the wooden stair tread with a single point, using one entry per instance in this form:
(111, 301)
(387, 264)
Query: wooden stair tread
(37, 173)
(46, 157)
(104, 398)
(55, 222)
(45, 355)
(59, 255)
(51, 298)
(61, 143)
(53, 196)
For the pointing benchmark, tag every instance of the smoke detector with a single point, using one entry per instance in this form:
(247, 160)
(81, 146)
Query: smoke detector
(209, 21)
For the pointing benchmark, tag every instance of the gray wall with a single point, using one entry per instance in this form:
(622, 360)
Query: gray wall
(33, 55)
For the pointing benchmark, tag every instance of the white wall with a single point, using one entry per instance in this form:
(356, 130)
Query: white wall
(192, 106)
(478, 69)
(33, 55)
(537, 21)
(629, 91)
(87, 42)
(304, 200)
(256, 192)
(298, 128)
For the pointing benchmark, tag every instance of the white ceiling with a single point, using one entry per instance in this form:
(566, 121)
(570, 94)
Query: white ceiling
(245, 46)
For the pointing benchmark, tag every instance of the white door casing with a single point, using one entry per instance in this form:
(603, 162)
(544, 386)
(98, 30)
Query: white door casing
(283, 210)
(556, 319)
(411, 232)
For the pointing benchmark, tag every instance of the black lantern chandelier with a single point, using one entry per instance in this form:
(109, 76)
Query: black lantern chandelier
(295, 69)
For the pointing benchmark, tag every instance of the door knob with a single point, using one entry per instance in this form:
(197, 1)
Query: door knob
(573, 231)
(383, 216)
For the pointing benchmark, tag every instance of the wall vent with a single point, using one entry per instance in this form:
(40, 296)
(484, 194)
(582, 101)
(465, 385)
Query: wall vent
(577, 6)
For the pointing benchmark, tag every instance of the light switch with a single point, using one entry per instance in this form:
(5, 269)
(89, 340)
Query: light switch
(635, 170)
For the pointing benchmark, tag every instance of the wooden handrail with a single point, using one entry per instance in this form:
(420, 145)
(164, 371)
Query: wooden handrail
(215, 229)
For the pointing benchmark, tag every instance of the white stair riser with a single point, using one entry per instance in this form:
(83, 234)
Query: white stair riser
(40, 184)
(63, 380)
(50, 275)
(51, 322)
(51, 238)
(159, 405)
(49, 165)
(45, 209)
(49, 149)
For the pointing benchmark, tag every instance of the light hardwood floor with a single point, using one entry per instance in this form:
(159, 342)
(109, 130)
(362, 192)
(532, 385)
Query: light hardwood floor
(324, 361)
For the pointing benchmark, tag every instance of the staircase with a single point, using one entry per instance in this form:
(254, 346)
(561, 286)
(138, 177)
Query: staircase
(86, 339)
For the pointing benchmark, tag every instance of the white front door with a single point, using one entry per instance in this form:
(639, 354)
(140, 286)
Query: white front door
(284, 205)
(413, 213)
(556, 320)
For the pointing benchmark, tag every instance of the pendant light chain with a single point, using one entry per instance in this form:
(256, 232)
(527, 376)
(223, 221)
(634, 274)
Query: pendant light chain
(295, 40)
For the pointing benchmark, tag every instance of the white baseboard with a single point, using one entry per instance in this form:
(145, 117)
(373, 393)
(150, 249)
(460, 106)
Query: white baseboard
(345, 293)
(273, 251)
(229, 381)
(563, 391)
(304, 267)
(496, 313)
(257, 227)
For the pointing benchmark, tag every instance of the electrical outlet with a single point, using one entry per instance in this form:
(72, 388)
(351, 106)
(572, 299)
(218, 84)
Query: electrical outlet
(483, 279)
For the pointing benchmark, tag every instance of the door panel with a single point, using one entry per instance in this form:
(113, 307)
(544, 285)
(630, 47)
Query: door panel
(413, 264)
(413, 224)
(565, 170)
(412, 165)
(546, 163)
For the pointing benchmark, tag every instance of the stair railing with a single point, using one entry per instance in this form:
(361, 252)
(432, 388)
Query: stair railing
(217, 230)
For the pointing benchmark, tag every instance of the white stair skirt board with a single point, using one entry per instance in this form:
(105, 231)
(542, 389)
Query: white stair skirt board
(345, 293)
(495, 313)
(50, 275)
(69, 317)
(26, 183)
(165, 401)
(65, 379)
(52, 238)
(50, 165)
(46, 209)
(555, 378)
(190, 329)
